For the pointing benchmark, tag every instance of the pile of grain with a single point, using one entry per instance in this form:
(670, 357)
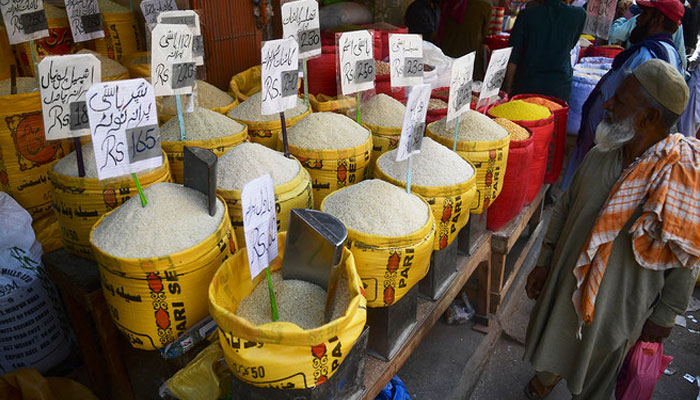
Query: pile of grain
(443, 93)
(543, 102)
(435, 165)
(175, 219)
(24, 85)
(208, 96)
(383, 110)
(248, 161)
(382, 68)
(68, 165)
(327, 130)
(109, 7)
(517, 132)
(199, 125)
(436, 104)
(299, 302)
(518, 110)
(473, 127)
(250, 109)
(108, 67)
(379, 208)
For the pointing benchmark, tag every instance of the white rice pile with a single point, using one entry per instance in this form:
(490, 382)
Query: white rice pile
(250, 109)
(435, 165)
(327, 130)
(377, 207)
(208, 96)
(383, 110)
(248, 161)
(299, 302)
(473, 127)
(108, 67)
(199, 125)
(175, 219)
(24, 85)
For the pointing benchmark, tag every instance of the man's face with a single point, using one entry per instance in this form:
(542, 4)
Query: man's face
(646, 20)
(621, 110)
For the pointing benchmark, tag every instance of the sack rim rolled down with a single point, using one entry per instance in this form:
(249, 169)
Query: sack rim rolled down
(483, 145)
(223, 141)
(330, 154)
(315, 101)
(223, 110)
(293, 335)
(279, 189)
(426, 231)
(270, 125)
(187, 256)
(238, 94)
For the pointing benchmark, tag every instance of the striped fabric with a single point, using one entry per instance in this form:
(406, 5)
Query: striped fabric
(665, 181)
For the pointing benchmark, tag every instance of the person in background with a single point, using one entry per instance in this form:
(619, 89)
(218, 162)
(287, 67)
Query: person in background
(542, 39)
(423, 17)
(621, 254)
(464, 25)
(651, 38)
(691, 26)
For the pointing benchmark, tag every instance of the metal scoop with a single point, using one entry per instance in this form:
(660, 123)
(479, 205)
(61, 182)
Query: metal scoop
(313, 250)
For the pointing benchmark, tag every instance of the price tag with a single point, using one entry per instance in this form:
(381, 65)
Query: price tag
(259, 223)
(172, 66)
(599, 18)
(191, 19)
(85, 19)
(406, 59)
(300, 21)
(413, 122)
(24, 20)
(280, 73)
(63, 82)
(460, 86)
(151, 9)
(356, 57)
(495, 73)
(124, 126)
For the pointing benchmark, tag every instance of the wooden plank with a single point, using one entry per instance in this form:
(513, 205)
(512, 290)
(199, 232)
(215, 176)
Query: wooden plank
(378, 373)
(503, 240)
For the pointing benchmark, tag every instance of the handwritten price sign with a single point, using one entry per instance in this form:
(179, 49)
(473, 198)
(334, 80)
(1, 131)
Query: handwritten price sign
(356, 57)
(599, 18)
(85, 19)
(191, 20)
(259, 223)
(124, 127)
(63, 82)
(413, 127)
(151, 9)
(172, 67)
(280, 73)
(460, 86)
(25, 20)
(406, 59)
(495, 73)
(300, 22)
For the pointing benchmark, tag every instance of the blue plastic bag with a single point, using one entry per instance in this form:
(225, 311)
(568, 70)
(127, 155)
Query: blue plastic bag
(394, 390)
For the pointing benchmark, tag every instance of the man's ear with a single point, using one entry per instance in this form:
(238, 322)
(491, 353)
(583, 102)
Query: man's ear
(650, 116)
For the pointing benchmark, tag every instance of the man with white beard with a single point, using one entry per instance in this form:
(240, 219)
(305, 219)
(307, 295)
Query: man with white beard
(620, 257)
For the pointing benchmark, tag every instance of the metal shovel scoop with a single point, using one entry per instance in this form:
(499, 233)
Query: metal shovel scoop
(313, 250)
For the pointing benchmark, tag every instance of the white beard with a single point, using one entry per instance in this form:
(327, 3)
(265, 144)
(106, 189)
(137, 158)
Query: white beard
(612, 136)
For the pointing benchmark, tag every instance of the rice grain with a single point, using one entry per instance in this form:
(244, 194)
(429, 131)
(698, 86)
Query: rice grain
(68, 165)
(473, 127)
(327, 130)
(208, 96)
(199, 125)
(250, 110)
(24, 85)
(383, 110)
(108, 67)
(248, 161)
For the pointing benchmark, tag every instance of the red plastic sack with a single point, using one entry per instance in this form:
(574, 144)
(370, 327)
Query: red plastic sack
(321, 71)
(557, 147)
(382, 84)
(642, 368)
(512, 198)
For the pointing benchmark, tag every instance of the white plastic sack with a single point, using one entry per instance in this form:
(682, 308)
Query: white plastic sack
(581, 87)
(33, 328)
(440, 76)
(344, 13)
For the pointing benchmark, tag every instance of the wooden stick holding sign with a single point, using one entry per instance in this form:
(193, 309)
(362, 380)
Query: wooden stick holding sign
(356, 64)
(124, 146)
(260, 228)
(279, 75)
(495, 74)
(300, 21)
(63, 82)
(413, 127)
(460, 90)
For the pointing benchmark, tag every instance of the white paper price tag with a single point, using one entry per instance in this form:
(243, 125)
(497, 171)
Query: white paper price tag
(191, 19)
(259, 223)
(25, 20)
(599, 18)
(63, 82)
(279, 75)
(413, 127)
(300, 22)
(495, 73)
(151, 9)
(172, 68)
(460, 86)
(406, 59)
(85, 19)
(124, 127)
(356, 55)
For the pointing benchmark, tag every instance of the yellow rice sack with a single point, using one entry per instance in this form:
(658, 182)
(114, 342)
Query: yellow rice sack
(154, 300)
(324, 103)
(390, 266)
(164, 117)
(281, 354)
(59, 42)
(267, 133)
(489, 159)
(7, 59)
(136, 68)
(246, 83)
(384, 139)
(80, 202)
(296, 193)
(122, 36)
